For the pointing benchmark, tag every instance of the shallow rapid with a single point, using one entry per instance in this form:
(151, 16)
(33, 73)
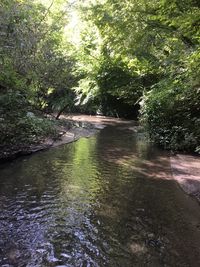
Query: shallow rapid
(108, 200)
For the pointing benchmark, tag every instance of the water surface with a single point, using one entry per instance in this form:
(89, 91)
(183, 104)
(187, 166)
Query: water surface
(108, 201)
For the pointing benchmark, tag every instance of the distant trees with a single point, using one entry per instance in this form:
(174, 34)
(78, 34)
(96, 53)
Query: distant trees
(148, 52)
(126, 53)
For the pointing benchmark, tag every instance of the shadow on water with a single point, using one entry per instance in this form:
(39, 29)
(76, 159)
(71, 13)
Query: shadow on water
(104, 201)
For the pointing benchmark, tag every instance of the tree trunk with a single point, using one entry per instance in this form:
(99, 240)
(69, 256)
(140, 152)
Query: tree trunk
(60, 112)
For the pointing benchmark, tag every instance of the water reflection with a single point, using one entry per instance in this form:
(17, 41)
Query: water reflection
(102, 201)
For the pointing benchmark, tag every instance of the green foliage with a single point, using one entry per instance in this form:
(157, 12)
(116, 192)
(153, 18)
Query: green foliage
(150, 49)
(171, 109)
(115, 70)
(33, 52)
(25, 131)
(36, 69)
(17, 127)
(124, 51)
(171, 113)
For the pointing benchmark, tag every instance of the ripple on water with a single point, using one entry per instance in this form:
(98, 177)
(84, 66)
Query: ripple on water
(91, 203)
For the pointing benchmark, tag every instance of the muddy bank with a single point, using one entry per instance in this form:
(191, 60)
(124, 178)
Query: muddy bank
(186, 171)
(98, 121)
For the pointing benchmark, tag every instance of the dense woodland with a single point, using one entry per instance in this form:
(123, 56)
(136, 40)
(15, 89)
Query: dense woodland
(135, 59)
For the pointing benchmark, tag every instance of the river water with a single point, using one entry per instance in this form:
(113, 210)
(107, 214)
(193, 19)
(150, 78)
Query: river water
(108, 200)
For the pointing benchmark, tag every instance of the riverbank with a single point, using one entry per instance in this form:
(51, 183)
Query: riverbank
(185, 169)
(69, 129)
(66, 131)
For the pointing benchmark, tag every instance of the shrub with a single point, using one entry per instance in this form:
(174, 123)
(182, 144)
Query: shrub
(17, 128)
(170, 112)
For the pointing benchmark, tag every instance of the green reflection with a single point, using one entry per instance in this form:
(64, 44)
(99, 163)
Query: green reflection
(81, 178)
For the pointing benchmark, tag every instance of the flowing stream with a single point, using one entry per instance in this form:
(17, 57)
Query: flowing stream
(108, 200)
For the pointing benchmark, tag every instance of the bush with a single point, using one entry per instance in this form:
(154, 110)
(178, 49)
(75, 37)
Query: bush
(171, 114)
(17, 128)
(25, 131)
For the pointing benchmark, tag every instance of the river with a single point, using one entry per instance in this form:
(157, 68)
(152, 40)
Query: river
(108, 200)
